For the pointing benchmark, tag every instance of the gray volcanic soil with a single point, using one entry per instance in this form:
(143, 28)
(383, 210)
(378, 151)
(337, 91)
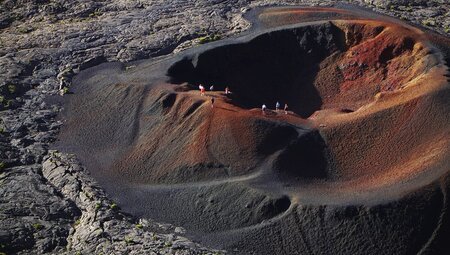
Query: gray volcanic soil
(116, 109)
(51, 205)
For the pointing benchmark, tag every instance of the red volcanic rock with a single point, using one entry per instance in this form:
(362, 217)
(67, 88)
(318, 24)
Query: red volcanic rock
(375, 75)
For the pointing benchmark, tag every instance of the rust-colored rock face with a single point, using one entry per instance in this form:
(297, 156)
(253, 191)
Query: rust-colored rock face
(369, 86)
(368, 121)
(362, 94)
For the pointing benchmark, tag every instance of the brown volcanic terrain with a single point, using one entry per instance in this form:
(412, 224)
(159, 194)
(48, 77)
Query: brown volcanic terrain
(369, 124)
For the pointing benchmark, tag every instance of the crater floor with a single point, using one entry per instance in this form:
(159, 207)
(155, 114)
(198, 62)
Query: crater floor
(359, 165)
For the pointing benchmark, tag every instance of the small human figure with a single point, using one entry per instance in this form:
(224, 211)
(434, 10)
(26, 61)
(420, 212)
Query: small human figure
(202, 90)
(277, 106)
(227, 90)
(263, 108)
(211, 88)
(212, 102)
(286, 108)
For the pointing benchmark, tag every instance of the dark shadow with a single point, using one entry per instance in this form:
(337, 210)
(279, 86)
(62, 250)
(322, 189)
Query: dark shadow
(169, 100)
(181, 71)
(270, 208)
(275, 66)
(278, 136)
(447, 62)
(346, 110)
(305, 158)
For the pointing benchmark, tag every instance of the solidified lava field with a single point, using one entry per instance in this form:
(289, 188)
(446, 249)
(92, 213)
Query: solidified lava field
(358, 166)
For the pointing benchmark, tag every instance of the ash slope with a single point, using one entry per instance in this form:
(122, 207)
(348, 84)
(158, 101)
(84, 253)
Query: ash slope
(162, 133)
(40, 38)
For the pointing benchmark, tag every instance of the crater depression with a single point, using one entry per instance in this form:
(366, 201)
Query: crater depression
(367, 124)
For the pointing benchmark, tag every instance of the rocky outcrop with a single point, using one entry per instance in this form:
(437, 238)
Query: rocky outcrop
(69, 214)
(34, 214)
(100, 226)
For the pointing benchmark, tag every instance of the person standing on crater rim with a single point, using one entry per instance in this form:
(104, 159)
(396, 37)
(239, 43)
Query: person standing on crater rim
(263, 108)
(211, 88)
(277, 106)
(227, 90)
(212, 102)
(202, 90)
(286, 108)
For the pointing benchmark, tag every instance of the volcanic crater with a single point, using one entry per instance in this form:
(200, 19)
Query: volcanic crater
(367, 122)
